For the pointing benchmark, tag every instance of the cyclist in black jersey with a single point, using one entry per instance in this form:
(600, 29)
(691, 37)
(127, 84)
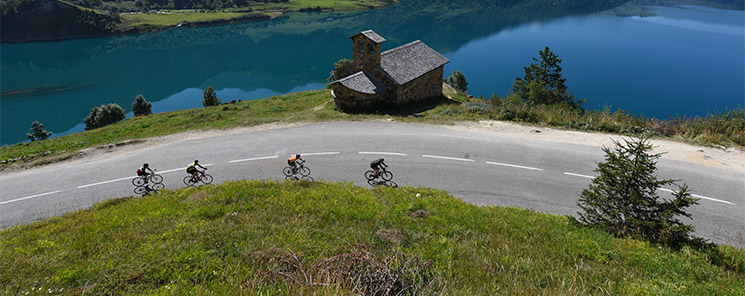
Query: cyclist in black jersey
(377, 165)
(142, 171)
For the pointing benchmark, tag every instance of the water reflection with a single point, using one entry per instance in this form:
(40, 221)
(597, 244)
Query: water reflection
(243, 61)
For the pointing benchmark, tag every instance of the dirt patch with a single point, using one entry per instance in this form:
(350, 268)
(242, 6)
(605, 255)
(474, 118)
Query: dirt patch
(358, 271)
(721, 157)
(419, 214)
(392, 236)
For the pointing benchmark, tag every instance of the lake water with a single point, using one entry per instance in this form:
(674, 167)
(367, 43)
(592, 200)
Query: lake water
(656, 61)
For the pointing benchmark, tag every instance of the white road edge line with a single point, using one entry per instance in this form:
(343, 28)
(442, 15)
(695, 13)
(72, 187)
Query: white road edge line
(579, 175)
(445, 157)
(383, 153)
(255, 158)
(320, 153)
(28, 197)
(514, 166)
(699, 196)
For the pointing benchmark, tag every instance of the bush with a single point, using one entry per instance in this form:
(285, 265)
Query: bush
(141, 106)
(479, 107)
(38, 132)
(103, 116)
(210, 97)
(623, 198)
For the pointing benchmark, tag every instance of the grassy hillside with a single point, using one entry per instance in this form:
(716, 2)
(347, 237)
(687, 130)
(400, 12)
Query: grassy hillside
(315, 106)
(254, 237)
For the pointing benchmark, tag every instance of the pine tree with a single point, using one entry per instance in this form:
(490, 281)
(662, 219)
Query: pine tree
(623, 198)
(341, 69)
(210, 97)
(38, 132)
(140, 106)
(543, 82)
(458, 81)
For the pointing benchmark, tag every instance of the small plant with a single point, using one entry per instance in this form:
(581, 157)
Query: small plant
(38, 132)
(479, 107)
(103, 116)
(342, 68)
(141, 106)
(623, 198)
(210, 97)
(458, 81)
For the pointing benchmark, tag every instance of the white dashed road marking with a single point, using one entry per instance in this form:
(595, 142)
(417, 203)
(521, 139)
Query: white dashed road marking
(255, 158)
(514, 166)
(29, 197)
(699, 196)
(579, 175)
(383, 153)
(445, 157)
(320, 153)
(106, 182)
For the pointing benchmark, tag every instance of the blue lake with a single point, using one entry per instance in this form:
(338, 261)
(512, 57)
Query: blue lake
(655, 61)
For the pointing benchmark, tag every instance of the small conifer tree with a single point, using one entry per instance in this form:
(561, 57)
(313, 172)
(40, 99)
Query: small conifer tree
(103, 116)
(543, 82)
(38, 132)
(458, 81)
(210, 97)
(140, 106)
(623, 198)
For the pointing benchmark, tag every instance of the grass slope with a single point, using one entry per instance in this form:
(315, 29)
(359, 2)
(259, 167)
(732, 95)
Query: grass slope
(263, 237)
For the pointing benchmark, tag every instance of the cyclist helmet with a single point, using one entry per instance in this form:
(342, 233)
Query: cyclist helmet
(297, 155)
(382, 160)
(196, 161)
(145, 164)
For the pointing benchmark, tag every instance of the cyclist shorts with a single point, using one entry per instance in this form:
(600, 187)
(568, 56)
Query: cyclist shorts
(141, 173)
(191, 170)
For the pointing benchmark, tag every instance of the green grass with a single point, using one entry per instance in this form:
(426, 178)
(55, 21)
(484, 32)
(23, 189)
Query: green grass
(254, 237)
(172, 18)
(315, 106)
(166, 18)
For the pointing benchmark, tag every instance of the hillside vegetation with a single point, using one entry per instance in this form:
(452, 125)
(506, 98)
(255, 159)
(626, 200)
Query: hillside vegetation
(289, 238)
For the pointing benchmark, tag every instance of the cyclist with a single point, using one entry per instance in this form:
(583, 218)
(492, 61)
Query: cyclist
(293, 162)
(142, 171)
(192, 169)
(377, 165)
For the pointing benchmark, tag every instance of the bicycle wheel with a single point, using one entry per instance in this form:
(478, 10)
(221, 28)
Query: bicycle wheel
(387, 175)
(369, 175)
(138, 181)
(305, 171)
(140, 190)
(188, 181)
(287, 171)
(206, 179)
(158, 186)
(156, 179)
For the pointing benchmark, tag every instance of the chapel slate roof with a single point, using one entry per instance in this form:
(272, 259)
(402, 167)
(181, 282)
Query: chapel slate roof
(363, 82)
(409, 61)
(372, 35)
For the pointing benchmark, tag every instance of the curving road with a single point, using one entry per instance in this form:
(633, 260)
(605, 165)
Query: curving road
(481, 168)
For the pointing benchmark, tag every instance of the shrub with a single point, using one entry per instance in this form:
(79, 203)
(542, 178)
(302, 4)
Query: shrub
(458, 81)
(210, 97)
(479, 107)
(141, 106)
(103, 116)
(38, 132)
(623, 198)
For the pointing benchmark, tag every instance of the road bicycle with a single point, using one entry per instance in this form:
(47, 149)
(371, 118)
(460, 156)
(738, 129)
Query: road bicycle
(147, 189)
(301, 169)
(140, 181)
(201, 177)
(384, 173)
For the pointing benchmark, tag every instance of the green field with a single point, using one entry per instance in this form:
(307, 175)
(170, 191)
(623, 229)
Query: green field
(166, 18)
(171, 18)
(289, 238)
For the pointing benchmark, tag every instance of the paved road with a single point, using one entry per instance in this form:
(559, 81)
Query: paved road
(481, 168)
